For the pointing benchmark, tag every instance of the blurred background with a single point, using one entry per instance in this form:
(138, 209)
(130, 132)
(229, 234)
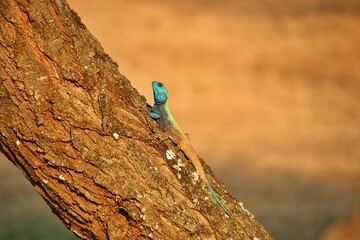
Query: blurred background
(268, 90)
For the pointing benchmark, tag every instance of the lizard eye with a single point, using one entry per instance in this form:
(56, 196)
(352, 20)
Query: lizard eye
(160, 84)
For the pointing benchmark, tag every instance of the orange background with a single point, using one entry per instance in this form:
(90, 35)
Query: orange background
(268, 91)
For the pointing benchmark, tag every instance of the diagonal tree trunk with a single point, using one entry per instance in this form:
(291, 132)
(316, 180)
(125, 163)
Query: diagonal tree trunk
(82, 136)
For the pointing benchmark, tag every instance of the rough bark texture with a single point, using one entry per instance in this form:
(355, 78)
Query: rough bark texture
(81, 134)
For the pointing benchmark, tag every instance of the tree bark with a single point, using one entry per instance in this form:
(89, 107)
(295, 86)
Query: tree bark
(82, 136)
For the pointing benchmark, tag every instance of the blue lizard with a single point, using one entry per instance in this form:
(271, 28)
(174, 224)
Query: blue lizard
(161, 113)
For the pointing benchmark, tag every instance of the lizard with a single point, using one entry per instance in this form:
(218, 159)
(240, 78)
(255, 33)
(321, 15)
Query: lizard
(161, 113)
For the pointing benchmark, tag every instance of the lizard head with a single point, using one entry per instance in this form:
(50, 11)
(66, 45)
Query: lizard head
(160, 93)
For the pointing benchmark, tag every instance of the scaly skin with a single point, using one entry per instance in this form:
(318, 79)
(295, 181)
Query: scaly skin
(161, 113)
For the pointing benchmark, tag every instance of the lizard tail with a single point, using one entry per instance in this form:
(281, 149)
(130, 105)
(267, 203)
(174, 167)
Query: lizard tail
(213, 193)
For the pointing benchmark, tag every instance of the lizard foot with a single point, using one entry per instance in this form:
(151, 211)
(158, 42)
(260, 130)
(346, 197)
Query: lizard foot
(156, 137)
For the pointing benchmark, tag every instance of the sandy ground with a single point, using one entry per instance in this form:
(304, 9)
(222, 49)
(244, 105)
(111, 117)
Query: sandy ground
(269, 93)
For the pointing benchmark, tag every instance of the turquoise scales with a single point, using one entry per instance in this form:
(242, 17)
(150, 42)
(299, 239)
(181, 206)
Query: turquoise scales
(161, 113)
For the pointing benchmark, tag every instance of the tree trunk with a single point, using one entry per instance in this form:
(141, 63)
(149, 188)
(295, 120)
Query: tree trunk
(82, 136)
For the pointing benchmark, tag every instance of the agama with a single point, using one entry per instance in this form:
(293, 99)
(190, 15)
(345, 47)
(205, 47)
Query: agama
(161, 113)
